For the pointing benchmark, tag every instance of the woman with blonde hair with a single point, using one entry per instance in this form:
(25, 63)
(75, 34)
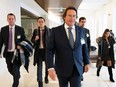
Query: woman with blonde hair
(107, 53)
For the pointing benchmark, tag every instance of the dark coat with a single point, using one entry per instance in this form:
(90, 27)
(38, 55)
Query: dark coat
(36, 44)
(65, 56)
(28, 51)
(87, 38)
(104, 48)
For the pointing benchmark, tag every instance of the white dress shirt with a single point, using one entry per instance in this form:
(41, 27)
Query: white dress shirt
(72, 30)
(41, 38)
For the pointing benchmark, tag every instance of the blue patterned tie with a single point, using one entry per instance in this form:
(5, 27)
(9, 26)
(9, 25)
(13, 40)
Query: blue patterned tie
(71, 39)
(10, 39)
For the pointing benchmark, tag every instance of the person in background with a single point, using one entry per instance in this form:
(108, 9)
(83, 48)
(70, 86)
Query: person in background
(111, 33)
(107, 54)
(66, 42)
(39, 40)
(10, 36)
(82, 21)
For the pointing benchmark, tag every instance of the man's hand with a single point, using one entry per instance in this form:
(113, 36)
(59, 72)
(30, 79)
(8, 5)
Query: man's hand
(86, 68)
(52, 74)
(99, 58)
(36, 38)
(19, 47)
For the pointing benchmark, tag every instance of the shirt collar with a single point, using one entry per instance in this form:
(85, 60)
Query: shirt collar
(66, 26)
(11, 27)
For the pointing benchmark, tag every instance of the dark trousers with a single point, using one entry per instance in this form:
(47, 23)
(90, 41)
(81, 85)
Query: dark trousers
(13, 68)
(40, 59)
(74, 79)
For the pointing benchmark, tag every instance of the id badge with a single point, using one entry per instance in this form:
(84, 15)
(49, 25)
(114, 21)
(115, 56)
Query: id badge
(109, 46)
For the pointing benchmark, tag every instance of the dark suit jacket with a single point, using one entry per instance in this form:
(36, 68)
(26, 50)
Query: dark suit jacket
(37, 43)
(4, 37)
(87, 38)
(65, 56)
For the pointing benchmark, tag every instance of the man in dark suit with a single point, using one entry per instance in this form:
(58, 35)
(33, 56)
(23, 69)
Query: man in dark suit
(39, 39)
(82, 21)
(10, 36)
(66, 42)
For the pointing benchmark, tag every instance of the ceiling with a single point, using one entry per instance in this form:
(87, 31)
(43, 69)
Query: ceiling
(57, 7)
(26, 14)
(88, 6)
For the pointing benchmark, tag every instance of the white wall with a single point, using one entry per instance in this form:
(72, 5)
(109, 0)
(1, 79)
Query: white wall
(8, 6)
(103, 18)
(114, 17)
(32, 7)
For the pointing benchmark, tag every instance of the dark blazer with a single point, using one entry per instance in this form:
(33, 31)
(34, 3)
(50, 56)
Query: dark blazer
(65, 56)
(87, 38)
(4, 37)
(36, 44)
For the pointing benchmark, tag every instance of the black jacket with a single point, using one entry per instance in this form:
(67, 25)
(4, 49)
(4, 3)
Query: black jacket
(36, 44)
(87, 38)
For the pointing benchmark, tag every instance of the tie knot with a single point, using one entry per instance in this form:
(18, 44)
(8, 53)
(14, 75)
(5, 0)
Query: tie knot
(11, 28)
(41, 28)
(70, 28)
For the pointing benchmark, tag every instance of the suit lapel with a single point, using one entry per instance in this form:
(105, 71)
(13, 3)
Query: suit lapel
(64, 36)
(15, 33)
(7, 34)
(77, 31)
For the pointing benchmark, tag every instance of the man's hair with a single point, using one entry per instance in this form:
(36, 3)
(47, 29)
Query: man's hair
(69, 8)
(11, 14)
(40, 18)
(82, 18)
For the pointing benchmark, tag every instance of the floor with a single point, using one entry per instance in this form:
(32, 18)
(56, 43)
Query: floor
(29, 79)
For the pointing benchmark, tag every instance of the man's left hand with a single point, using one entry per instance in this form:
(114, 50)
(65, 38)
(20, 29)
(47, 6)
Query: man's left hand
(86, 68)
(18, 47)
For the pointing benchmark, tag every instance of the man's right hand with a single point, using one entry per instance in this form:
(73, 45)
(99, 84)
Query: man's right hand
(36, 38)
(52, 74)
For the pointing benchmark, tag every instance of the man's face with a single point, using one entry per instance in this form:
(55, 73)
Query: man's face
(41, 23)
(70, 17)
(11, 20)
(82, 23)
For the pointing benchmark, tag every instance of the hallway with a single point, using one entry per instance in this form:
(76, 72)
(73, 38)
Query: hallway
(29, 80)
